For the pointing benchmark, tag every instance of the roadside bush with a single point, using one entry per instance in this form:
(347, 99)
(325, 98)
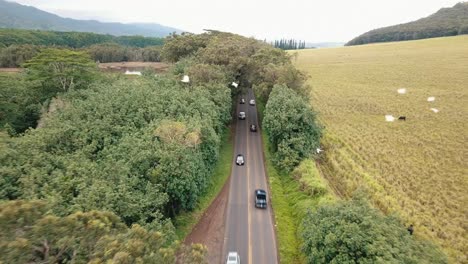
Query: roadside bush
(291, 127)
(354, 232)
(309, 178)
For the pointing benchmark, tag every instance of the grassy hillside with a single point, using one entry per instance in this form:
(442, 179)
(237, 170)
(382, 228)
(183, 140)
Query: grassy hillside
(418, 167)
(14, 15)
(445, 22)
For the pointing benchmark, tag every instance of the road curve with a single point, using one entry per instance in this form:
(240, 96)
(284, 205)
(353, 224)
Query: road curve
(249, 231)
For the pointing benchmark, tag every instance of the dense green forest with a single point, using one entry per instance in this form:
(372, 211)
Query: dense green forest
(446, 22)
(14, 15)
(10, 37)
(18, 46)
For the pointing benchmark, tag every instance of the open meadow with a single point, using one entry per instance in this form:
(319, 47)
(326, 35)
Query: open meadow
(416, 168)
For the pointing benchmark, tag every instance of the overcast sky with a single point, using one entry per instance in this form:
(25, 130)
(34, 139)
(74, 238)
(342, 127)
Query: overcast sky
(310, 20)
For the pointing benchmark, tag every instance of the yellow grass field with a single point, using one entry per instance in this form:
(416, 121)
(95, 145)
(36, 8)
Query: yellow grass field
(416, 168)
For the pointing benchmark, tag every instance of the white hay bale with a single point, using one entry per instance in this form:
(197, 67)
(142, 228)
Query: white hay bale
(127, 72)
(435, 110)
(431, 99)
(389, 118)
(235, 84)
(401, 90)
(185, 79)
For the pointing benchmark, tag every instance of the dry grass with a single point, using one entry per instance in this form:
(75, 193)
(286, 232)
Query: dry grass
(417, 168)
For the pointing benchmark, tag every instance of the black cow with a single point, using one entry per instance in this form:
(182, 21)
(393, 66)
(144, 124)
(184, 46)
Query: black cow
(402, 118)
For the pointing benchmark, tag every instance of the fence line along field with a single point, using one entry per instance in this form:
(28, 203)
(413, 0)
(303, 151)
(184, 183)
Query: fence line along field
(416, 167)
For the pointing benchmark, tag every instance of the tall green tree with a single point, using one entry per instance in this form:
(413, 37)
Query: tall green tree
(61, 70)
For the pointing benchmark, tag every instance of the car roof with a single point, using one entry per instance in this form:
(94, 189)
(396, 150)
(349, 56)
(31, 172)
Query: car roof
(260, 191)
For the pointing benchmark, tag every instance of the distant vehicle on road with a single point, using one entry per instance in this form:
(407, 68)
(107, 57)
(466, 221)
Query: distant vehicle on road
(240, 160)
(260, 198)
(253, 128)
(241, 115)
(252, 102)
(233, 258)
(242, 101)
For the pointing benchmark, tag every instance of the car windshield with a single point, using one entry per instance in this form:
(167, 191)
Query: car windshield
(261, 196)
(232, 258)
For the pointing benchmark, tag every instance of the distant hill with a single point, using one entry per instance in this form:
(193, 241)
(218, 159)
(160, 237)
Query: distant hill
(446, 22)
(14, 15)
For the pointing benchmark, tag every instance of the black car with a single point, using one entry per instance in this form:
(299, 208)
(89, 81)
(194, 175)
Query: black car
(260, 198)
(253, 128)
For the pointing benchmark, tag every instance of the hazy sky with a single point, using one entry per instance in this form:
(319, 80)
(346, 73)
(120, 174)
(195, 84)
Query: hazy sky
(313, 21)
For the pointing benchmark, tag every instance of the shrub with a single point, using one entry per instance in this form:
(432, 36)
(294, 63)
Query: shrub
(354, 232)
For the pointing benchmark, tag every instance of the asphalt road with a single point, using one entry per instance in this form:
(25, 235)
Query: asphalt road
(249, 231)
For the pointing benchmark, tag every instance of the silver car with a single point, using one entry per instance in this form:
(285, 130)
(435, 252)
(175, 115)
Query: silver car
(233, 258)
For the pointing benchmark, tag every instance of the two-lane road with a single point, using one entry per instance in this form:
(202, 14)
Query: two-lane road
(249, 231)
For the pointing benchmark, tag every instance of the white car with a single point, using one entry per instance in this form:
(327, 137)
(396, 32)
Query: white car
(240, 160)
(242, 115)
(233, 258)
(252, 102)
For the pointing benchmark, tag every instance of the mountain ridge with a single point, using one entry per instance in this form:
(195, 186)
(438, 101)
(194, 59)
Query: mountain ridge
(448, 21)
(14, 15)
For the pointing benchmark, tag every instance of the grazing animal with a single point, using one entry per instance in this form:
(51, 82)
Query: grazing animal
(411, 229)
(403, 118)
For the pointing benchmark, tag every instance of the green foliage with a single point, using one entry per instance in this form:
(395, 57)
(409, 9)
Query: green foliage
(61, 70)
(15, 55)
(446, 22)
(177, 47)
(289, 44)
(28, 233)
(353, 232)
(193, 254)
(10, 37)
(309, 178)
(145, 154)
(19, 103)
(248, 61)
(272, 74)
(291, 127)
(186, 220)
(291, 202)
(111, 52)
